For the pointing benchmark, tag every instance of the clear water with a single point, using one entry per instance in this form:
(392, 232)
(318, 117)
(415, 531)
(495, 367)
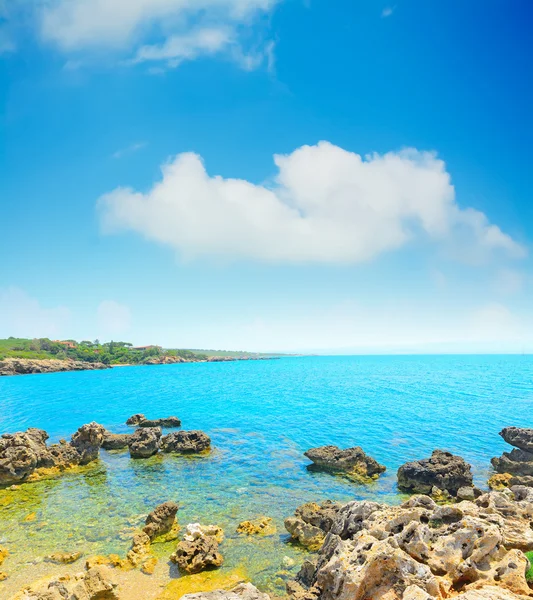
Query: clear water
(261, 417)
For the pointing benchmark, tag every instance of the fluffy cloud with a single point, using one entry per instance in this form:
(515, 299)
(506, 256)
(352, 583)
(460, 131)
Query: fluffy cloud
(113, 319)
(167, 31)
(326, 205)
(23, 316)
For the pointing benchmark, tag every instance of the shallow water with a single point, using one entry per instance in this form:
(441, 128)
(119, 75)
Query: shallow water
(261, 417)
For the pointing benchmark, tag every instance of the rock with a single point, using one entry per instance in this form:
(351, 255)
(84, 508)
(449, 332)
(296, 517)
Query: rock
(259, 526)
(149, 566)
(145, 442)
(186, 442)
(466, 493)
(26, 366)
(352, 461)
(3, 576)
(63, 558)
(115, 441)
(140, 549)
(20, 454)
(518, 437)
(141, 421)
(198, 550)
(244, 591)
(490, 592)
(97, 584)
(422, 551)
(161, 520)
(500, 481)
(88, 441)
(443, 470)
(307, 535)
(312, 522)
(516, 462)
(3, 554)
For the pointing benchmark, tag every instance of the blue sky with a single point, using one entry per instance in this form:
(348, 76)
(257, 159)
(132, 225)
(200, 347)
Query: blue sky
(292, 175)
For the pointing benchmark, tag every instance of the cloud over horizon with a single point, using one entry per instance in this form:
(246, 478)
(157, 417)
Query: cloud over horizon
(326, 205)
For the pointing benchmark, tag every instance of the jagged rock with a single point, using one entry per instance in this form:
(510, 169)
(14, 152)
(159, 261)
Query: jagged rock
(259, 526)
(519, 437)
(443, 470)
(312, 522)
(422, 551)
(97, 584)
(198, 550)
(244, 591)
(20, 454)
(88, 441)
(352, 461)
(115, 441)
(516, 462)
(161, 520)
(186, 442)
(145, 442)
(140, 549)
(500, 481)
(140, 420)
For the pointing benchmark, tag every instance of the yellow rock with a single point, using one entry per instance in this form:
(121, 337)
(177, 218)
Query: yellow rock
(148, 567)
(94, 561)
(3, 554)
(500, 481)
(63, 558)
(259, 526)
(3, 576)
(207, 581)
(172, 535)
(30, 518)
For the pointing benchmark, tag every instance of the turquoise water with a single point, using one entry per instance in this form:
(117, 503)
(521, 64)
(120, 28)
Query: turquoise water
(261, 416)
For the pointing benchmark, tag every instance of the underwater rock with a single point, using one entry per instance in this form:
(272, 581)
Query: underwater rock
(311, 523)
(244, 591)
(186, 442)
(198, 550)
(422, 551)
(161, 520)
(259, 526)
(63, 558)
(145, 442)
(442, 470)
(115, 441)
(352, 461)
(88, 441)
(140, 420)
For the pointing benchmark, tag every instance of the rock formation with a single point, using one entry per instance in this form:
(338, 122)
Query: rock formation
(145, 442)
(88, 441)
(422, 551)
(186, 442)
(311, 523)
(243, 591)
(443, 471)
(27, 366)
(115, 441)
(198, 550)
(161, 520)
(517, 464)
(140, 420)
(259, 526)
(353, 462)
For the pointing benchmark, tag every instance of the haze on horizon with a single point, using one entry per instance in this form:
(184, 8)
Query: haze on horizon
(268, 175)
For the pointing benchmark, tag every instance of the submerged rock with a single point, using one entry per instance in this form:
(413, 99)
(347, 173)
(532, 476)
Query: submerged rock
(352, 461)
(422, 551)
(443, 470)
(259, 526)
(186, 442)
(115, 441)
(140, 420)
(145, 442)
(311, 523)
(244, 591)
(88, 441)
(198, 550)
(161, 520)
(63, 558)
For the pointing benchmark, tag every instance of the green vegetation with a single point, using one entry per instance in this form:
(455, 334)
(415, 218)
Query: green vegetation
(529, 572)
(110, 353)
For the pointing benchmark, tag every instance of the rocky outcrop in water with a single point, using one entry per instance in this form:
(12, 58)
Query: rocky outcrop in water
(311, 523)
(161, 520)
(517, 465)
(87, 441)
(198, 550)
(145, 442)
(351, 461)
(244, 591)
(140, 420)
(186, 442)
(259, 526)
(27, 366)
(443, 471)
(422, 551)
(115, 441)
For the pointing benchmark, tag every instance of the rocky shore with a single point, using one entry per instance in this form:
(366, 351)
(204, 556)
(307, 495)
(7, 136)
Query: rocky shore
(28, 366)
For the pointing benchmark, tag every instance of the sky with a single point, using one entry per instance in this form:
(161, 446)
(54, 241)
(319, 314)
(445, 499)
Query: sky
(268, 175)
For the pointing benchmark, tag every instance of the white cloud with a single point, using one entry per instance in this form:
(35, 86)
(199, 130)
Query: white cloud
(327, 205)
(23, 316)
(113, 319)
(129, 149)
